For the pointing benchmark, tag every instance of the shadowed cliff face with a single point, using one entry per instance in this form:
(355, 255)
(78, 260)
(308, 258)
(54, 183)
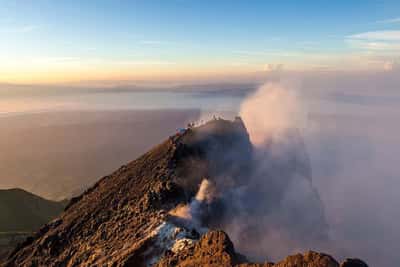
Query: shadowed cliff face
(160, 208)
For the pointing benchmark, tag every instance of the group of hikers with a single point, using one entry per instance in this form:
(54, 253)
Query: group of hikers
(191, 125)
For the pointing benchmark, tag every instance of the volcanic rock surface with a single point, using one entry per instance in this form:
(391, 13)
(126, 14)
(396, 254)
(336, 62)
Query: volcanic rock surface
(128, 219)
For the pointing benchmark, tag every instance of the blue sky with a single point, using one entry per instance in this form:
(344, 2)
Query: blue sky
(48, 39)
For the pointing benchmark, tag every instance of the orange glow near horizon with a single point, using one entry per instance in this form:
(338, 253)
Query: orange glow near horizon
(117, 73)
(64, 70)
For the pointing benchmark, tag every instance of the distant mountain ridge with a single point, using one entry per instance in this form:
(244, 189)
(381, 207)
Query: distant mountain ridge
(22, 211)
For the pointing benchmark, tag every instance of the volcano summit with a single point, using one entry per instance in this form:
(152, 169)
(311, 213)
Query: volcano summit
(177, 204)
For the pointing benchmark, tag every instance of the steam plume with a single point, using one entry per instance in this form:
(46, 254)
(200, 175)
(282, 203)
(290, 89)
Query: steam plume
(276, 190)
(192, 213)
(260, 190)
(270, 111)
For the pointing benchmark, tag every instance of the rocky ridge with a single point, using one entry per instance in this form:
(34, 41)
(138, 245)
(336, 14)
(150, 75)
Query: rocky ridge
(125, 218)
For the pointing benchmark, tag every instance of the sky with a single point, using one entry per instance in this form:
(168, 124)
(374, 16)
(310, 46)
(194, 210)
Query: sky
(49, 41)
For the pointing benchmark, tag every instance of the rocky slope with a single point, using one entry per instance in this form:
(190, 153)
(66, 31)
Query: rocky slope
(151, 212)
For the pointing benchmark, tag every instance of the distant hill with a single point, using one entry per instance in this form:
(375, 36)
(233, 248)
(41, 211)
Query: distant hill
(21, 211)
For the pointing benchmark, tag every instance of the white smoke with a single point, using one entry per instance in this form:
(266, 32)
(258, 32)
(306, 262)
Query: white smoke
(206, 192)
(192, 212)
(270, 111)
(278, 189)
(257, 203)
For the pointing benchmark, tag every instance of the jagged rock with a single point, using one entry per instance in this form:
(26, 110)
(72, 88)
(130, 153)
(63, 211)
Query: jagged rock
(213, 249)
(309, 259)
(216, 249)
